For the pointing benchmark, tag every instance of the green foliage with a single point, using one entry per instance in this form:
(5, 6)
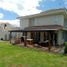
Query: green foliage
(65, 43)
(28, 57)
(65, 50)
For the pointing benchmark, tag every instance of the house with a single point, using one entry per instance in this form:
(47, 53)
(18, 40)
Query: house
(50, 25)
(4, 30)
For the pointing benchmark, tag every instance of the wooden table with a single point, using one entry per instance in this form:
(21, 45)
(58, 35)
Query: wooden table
(29, 41)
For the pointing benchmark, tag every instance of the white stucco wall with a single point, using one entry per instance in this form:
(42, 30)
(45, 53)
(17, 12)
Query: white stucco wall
(43, 20)
(65, 23)
(4, 34)
(49, 20)
(24, 23)
(28, 35)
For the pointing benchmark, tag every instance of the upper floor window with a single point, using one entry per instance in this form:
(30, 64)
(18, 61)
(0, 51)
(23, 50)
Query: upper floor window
(31, 21)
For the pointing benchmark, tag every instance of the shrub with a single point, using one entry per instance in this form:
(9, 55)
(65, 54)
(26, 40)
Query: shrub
(65, 50)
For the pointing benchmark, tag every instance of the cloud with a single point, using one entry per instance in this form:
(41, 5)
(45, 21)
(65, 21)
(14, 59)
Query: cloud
(21, 7)
(65, 3)
(1, 15)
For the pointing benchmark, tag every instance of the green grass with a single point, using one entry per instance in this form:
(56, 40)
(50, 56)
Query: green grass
(28, 57)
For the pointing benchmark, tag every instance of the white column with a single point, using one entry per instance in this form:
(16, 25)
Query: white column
(41, 36)
(60, 37)
(53, 39)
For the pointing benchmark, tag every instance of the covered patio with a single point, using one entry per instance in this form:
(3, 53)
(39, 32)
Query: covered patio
(45, 35)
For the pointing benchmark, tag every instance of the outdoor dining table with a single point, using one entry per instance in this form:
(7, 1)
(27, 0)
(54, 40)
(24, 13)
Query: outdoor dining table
(29, 41)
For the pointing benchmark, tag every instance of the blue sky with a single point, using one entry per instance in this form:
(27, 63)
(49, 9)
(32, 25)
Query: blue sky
(10, 9)
(48, 4)
(8, 15)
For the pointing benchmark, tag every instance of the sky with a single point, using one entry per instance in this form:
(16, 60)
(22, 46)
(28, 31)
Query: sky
(11, 9)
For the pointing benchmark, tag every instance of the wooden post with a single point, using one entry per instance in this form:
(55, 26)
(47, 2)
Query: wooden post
(25, 38)
(49, 43)
(25, 42)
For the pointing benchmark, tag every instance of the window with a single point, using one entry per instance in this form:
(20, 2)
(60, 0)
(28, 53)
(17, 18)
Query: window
(31, 21)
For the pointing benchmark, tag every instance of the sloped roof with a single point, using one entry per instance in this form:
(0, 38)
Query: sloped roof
(45, 13)
(43, 27)
(40, 28)
(8, 27)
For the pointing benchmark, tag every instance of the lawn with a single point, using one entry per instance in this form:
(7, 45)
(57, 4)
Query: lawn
(14, 56)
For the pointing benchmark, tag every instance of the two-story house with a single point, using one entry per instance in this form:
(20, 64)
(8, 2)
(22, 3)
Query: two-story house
(48, 25)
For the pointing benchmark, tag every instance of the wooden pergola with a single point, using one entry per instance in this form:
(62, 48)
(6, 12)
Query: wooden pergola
(45, 28)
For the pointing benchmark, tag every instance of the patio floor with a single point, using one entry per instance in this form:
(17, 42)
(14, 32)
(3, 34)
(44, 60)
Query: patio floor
(53, 49)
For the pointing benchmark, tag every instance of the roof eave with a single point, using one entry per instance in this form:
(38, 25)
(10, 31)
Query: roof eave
(46, 13)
